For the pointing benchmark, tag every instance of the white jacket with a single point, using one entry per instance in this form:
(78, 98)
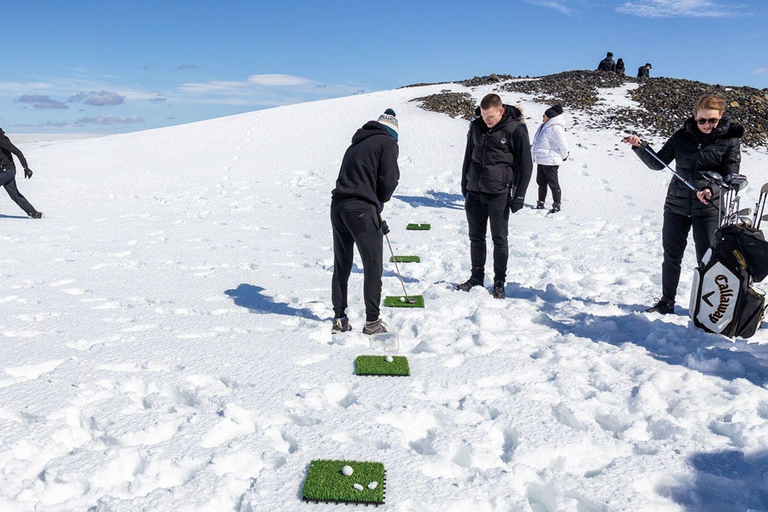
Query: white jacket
(549, 144)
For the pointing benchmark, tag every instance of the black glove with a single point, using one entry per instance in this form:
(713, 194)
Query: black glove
(384, 227)
(516, 205)
(27, 172)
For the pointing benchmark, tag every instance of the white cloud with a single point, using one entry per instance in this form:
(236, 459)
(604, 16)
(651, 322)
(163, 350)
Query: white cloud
(110, 119)
(278, 80)
(17, 88)
(212, 87)
(676, 9)
(759, 71)
(552, 5)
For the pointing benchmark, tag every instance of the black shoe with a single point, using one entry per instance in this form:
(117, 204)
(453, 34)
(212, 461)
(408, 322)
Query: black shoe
(375, 327)
(555, 208)
(340, 325)
(498, 290)
(465, 287)
(539, 205)
(664, 307)
(36, 215)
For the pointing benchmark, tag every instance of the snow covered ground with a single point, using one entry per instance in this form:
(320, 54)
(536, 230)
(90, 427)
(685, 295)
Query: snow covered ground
(165, 332)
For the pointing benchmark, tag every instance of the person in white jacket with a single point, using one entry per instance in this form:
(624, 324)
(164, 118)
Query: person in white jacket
(549, 150)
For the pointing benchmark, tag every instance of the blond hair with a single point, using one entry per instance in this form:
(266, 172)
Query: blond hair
(710, 102)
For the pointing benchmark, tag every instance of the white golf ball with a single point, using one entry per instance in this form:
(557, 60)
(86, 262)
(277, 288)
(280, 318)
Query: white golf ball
(373, 485)
(358, 487)
(347, 471)
(402, 299)
(388, 359)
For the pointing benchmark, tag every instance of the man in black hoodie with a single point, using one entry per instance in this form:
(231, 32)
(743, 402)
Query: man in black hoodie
(494, 178)
(607, 63)
(8, 174)
(368, 177)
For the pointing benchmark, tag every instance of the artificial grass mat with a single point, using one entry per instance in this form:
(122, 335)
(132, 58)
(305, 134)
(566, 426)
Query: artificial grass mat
(405, 259)
(418, 227)
(378, 365)
(325, 482)
(399, 301)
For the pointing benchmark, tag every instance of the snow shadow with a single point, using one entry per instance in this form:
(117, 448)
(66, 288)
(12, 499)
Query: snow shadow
(724, 482)
(682, 345)
(387, 273)
(13, 216)
(434, 199)
(251, 297)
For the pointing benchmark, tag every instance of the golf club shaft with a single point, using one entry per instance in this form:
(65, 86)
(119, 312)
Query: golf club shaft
(394, 260)
(677, 175)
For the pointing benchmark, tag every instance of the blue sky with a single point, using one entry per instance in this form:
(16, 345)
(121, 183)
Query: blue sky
(110, 67)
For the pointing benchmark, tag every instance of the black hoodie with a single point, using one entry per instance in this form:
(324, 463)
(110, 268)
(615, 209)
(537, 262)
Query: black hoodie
(369, 171)
(694, 153)
(7, 150)
(498, 159)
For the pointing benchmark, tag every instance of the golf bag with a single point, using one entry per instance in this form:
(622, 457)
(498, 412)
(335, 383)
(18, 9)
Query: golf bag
(723, 298)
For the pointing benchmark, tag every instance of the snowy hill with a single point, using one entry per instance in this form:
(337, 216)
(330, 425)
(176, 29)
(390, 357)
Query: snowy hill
(165, 331)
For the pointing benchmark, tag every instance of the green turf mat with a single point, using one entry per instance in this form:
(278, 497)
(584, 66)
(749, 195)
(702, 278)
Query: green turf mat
(325, 482)
(399, 301)
(418, 227)
(378, 365)
(405, 259)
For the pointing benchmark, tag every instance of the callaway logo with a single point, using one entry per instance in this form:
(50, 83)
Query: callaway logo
(725, 298)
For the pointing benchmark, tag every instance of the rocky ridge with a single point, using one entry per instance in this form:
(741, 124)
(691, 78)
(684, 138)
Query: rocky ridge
(664, 103)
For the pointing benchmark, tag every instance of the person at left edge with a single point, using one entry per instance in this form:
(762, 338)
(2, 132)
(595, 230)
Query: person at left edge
(368, 177)
(8, 174)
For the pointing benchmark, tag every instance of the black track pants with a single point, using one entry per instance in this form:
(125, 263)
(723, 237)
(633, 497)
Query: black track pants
(356, 222)
(481, 208)
(546, 175)
(675, 238)
(8, 180)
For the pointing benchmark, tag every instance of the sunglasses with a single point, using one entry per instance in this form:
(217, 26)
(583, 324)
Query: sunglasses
(713, 120)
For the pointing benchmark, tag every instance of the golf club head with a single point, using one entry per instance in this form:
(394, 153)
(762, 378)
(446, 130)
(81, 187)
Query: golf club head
(714, 177)
(737, 181)
(746, 221)
(745, 212)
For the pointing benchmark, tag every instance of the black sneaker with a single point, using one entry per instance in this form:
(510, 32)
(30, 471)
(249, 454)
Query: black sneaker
(340, 325)
(465, 287)
(36, 215)
(663, 307)
(540, 205)
(555, 208)
(498, 290)
(375, 327)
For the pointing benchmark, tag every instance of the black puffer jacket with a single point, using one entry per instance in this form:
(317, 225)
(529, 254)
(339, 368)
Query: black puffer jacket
(7, 150)
(498, 159)
(607, 64)
(695, 153)
(369, 169)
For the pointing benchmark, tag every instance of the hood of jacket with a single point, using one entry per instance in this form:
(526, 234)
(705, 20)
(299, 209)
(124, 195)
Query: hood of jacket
(370, 129)
(510, 115)
(558, 120)
(725, 129)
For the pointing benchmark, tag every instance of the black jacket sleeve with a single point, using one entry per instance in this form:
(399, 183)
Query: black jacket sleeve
(523, 166)
(389, 172)
(666, 154)
(467, 163)
(6, 144)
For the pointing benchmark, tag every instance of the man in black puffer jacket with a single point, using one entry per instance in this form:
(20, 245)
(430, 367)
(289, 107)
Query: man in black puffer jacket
(494, 178)
(708, 141)
(368, 177)
(8, 174)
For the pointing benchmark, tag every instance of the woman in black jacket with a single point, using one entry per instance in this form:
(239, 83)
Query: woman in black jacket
(708, 141)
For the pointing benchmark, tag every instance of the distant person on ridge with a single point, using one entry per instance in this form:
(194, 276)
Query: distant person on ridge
(368, 177)
(644, 71)
(620, 69)
(8, 174)
(708, 141)
(607, 63)
(549, 150)
(494, 177)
